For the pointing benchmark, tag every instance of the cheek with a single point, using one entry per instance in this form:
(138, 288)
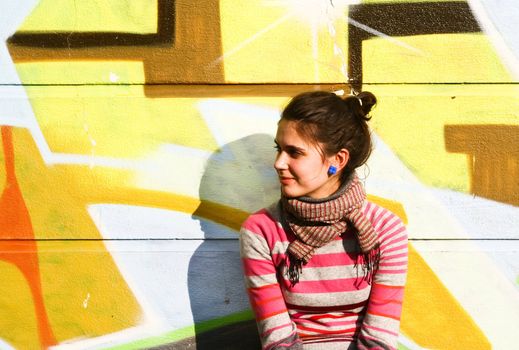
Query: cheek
(312, 172)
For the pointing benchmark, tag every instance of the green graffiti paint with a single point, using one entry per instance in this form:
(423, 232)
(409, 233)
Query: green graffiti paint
(186, 332)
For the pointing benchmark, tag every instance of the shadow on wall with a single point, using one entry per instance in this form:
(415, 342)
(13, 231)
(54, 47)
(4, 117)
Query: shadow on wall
(493, 158)
(239, 175)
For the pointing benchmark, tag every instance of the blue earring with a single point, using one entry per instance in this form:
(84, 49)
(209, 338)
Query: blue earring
(332, 170)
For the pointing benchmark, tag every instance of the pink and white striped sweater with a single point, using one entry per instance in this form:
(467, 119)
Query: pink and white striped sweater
(332, 306)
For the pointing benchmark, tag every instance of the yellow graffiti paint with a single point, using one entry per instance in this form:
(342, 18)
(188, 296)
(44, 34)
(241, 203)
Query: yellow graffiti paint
(17, 319)
(431, 316)
(135, 16)
(412, 119)
(79, 72)
(59, 211)
(393, 206)
(90, 298)
(64, 213)
(114, 121)
(264, 42)
(432, 58)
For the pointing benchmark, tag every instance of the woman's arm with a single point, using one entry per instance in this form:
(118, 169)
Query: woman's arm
(276, 329)
(381, 324)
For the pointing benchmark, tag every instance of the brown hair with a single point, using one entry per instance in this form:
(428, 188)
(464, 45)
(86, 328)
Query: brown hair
(323, 117)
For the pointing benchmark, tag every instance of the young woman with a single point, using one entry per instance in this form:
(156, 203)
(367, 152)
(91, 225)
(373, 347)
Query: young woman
(324, 267)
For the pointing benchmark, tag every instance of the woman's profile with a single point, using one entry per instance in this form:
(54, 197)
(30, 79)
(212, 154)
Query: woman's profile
(324, 267)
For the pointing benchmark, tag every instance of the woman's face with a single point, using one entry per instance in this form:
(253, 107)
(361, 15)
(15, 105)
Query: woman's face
(301, 168)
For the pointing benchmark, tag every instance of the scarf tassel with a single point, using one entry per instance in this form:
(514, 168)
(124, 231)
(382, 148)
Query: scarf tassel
(295, 268)
(369, 266)
(371, 263)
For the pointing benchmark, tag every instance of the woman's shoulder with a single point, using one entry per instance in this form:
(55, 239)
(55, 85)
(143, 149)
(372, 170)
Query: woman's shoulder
(377, 213)
(267, 217)
(386, 222)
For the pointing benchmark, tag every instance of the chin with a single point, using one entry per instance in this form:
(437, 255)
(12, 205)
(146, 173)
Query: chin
(292, 192)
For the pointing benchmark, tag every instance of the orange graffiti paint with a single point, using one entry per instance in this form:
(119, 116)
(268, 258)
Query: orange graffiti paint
(17, 244)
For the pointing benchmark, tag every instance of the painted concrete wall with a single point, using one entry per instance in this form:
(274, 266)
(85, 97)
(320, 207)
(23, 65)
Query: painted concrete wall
(137, 135)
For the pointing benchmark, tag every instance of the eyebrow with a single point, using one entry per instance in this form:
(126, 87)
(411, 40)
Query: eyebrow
(292, 148)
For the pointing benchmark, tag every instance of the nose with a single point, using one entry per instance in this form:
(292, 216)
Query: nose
(281, 161)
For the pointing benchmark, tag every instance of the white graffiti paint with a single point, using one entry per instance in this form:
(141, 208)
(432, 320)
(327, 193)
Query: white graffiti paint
(4, 345)
(499, 20)
(197, 252)
(113, 77)
(15, 109)
(85, 302)
(118, 221)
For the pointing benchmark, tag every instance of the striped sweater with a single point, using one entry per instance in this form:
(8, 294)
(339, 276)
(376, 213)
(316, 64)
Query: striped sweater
(332, 306)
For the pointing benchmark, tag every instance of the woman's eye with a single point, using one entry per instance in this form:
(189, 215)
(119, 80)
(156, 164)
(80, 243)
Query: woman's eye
(277, 148)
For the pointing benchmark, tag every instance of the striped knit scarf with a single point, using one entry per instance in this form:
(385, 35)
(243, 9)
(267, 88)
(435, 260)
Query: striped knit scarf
(317, 222)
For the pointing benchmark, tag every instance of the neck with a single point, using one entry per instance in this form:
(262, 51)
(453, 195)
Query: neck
(334, 192)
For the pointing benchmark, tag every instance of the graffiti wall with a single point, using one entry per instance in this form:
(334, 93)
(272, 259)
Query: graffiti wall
(137, 136)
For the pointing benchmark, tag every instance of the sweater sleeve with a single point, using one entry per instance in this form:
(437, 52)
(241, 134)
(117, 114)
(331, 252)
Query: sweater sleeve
(380, 327)
(276, 330)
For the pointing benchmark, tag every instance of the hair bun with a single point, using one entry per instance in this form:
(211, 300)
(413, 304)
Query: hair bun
(367, 101)
(361, 104)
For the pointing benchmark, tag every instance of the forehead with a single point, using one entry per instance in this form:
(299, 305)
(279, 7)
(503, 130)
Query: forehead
(288, 133)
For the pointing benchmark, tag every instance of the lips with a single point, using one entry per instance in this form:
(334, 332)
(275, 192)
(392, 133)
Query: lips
(286, 180)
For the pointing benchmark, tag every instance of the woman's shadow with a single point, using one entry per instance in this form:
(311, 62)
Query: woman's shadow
(240, 176)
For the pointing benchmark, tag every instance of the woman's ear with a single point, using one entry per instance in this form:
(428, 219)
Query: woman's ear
(341, 158)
